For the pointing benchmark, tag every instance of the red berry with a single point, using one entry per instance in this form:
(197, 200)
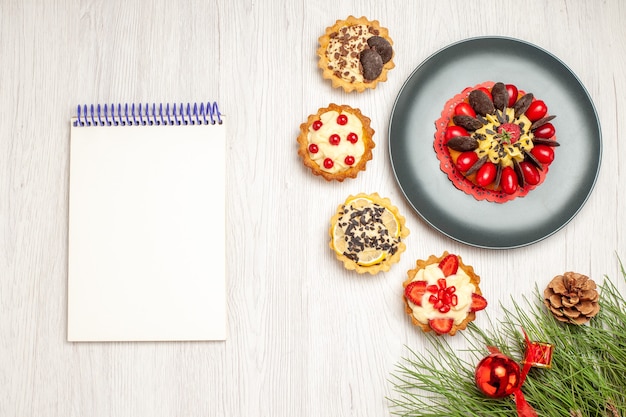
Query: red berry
(546, 131)
(442, 325)
(543, 153)
(449, 265)
(334, 139)
(466, 160)
(414, 292)
(342, 119)
(443, 297)
(530, 173)
(349, 160)
(508, 180)
(353, 137)
(536, 110)
(328, 163)
(317, 124)
(454, 300)
(453, 131)
(478, 302)
(464, 108)
(313, 148)
(512, 90)
(486, 91)
(486, 174)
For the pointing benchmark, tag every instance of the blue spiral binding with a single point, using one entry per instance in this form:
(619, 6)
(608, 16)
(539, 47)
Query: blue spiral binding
(145, 115)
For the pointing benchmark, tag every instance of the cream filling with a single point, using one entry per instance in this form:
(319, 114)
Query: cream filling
(500, 152)
(464, 289)
(337, 153)
(344, 50)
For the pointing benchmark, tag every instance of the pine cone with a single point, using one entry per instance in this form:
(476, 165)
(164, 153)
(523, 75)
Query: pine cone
(572, 298)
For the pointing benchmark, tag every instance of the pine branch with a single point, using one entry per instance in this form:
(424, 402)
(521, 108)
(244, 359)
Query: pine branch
(587, 378)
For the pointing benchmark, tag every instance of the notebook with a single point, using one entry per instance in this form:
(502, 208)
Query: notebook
(146, 238)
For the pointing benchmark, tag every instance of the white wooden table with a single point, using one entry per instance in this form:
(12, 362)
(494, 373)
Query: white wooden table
(306, 337)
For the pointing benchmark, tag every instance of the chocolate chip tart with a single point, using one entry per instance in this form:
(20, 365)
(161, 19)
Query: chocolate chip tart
(367, 233)
(355, 54)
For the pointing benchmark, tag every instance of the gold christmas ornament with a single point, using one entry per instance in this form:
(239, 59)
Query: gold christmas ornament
(572, 298)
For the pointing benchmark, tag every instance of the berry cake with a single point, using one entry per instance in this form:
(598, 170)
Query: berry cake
(336, 142)
(367, 232)
(495, 142)
(355, 54)
(442, 294)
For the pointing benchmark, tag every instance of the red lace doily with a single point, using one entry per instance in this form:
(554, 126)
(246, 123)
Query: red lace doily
(447, 164)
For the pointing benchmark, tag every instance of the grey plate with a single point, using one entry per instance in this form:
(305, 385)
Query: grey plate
(522, 221)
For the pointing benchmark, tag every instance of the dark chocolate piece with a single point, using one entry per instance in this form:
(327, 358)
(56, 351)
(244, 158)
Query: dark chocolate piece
(382, 46)
(481, 103)
(372, 64)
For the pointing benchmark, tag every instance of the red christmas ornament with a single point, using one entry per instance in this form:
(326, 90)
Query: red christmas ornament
(499, 376)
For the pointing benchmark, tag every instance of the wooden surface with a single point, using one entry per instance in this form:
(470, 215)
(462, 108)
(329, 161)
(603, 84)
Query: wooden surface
(306, 337)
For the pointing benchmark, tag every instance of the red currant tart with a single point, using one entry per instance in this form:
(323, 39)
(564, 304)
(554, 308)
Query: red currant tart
(336, 142)
(495, 142)
(441, 294)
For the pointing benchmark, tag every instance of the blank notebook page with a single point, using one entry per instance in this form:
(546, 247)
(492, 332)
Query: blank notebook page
(147, 233)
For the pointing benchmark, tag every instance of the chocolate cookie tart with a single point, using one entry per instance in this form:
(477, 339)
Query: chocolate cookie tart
(355, 54)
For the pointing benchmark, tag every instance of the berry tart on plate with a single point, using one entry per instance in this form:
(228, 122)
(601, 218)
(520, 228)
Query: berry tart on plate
(495, 142)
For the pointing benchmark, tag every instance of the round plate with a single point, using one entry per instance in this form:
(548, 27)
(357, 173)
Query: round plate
(522, 221)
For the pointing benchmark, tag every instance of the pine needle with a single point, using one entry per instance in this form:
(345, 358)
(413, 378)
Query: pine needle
(587, 377)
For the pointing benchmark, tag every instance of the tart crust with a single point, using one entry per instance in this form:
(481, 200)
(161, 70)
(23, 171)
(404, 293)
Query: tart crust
(433, 259)
(366, 137)
(323, 62)
(390, 259)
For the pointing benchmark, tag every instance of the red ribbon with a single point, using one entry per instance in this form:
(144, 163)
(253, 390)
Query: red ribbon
(523, 408)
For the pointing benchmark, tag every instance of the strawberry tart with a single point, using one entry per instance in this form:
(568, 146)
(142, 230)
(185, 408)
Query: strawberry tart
(441, 294)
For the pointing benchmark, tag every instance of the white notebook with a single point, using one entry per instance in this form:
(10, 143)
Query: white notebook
(146, 241)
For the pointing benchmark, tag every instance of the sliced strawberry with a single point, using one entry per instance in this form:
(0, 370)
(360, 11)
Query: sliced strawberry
(441, 325)
(478, 302)
(449, 265)
(414, 291)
